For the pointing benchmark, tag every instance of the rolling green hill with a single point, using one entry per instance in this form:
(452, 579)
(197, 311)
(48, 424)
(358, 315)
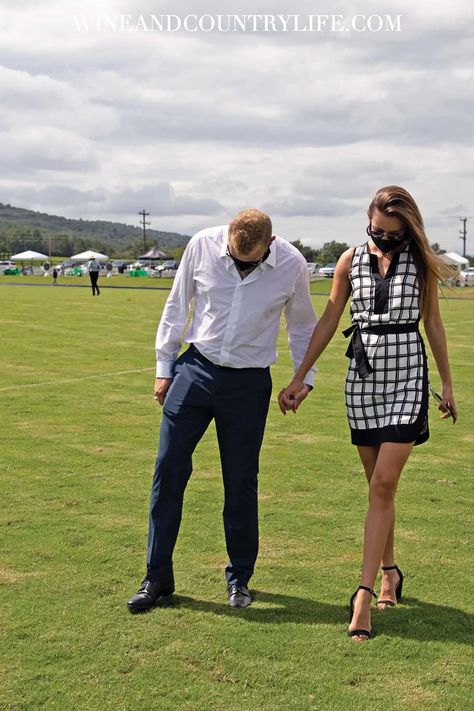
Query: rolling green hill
(22, 229)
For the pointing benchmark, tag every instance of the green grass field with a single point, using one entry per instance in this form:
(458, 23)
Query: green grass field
(78, 435)
(318, 286)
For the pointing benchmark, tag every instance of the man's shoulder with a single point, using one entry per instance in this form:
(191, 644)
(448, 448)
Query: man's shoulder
(289, 250)
(211, 234)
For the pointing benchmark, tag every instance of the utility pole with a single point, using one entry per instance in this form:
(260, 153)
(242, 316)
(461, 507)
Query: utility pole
(144, 214)
(463, 234)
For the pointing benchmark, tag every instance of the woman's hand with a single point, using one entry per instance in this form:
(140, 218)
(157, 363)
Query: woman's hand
(448, 402)
(291, 397)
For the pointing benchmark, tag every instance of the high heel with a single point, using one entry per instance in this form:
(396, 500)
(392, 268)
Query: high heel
(359, 632)
(398, 589)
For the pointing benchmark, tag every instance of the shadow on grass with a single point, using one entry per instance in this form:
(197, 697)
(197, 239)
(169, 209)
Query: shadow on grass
(413, 619)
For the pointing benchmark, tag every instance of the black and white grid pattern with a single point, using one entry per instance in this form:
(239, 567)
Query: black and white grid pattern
(394, 393)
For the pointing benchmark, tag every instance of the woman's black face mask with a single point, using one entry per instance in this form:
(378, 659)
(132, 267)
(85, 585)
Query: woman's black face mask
(392, 241)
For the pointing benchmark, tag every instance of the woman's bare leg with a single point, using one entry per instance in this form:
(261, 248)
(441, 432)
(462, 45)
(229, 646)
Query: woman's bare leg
(390, 578)
(379, 520)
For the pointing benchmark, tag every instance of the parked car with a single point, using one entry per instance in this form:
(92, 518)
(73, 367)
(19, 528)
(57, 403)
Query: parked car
(467, 277)
(70, 268)
(6, 265)
(67, 264)
(328, 270)
(170, 264)
(120, 265)
(314, 267)
(146, 264)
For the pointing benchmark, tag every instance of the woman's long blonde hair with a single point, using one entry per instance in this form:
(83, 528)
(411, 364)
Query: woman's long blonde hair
(395, 201)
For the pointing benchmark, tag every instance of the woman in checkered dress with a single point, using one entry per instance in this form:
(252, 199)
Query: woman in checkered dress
(387, 383)
(392, 278)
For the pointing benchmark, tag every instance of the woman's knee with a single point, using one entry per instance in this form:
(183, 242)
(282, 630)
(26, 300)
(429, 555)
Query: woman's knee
(383, 486)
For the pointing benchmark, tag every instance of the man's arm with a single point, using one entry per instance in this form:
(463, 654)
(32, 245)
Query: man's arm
(300, 322)
(175, 315)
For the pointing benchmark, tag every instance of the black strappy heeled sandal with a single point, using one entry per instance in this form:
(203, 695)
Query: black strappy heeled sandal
(398, 589)
(361, 633)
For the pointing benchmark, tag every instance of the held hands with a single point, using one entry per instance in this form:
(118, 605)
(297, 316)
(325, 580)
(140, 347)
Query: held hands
(161, 388)
(291, 397)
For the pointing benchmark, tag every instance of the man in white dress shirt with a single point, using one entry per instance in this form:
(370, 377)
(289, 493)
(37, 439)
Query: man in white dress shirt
(241, 279)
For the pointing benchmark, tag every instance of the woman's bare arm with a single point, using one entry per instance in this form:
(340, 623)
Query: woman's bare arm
(436, 335)
(323, 332)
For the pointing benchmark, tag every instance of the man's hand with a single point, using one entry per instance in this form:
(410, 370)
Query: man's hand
(161, 388)
(290, 398)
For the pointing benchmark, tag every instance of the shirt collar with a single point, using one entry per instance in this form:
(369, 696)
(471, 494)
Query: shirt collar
(223, 250)
(271, 259)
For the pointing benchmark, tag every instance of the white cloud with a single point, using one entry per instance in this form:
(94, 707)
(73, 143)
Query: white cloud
(28, 151)
(161, 199)
(193, 127)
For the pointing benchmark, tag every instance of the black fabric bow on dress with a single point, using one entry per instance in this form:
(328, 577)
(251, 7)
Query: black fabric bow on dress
(356, 350)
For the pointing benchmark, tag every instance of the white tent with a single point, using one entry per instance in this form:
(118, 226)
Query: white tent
(29, 254)
(454, 260)
(88, 254)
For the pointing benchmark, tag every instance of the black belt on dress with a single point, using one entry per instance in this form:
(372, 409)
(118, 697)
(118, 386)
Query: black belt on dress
(356, 348)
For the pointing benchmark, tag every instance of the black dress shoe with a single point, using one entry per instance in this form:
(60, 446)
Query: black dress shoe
(147, 596)
(238, 596)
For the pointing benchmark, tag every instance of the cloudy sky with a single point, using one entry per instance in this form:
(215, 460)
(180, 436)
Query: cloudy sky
(193, 126)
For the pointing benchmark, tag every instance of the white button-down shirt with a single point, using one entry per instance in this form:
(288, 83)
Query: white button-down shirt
(235, 321)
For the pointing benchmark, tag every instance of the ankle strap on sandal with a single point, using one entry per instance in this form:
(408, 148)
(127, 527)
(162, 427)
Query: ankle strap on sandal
(389, 567)
(370, 590)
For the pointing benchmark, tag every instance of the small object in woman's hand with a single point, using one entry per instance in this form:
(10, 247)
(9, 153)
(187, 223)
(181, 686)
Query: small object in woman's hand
(438, 398)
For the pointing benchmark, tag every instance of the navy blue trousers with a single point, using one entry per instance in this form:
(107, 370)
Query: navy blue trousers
(238, 400)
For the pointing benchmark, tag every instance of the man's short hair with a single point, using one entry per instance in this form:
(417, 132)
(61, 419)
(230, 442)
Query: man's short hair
(249, 228)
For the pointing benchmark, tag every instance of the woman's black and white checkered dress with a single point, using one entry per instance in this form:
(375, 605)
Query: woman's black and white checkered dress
(386, 388)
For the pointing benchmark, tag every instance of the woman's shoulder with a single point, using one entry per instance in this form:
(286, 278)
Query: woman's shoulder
(348, 256)
(362, 247)
(344, 263)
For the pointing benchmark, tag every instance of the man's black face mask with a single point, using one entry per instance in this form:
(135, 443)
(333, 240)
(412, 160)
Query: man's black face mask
(243, 265)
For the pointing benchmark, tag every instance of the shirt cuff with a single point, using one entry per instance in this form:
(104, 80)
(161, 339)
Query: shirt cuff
(309, 378)
(164, 368)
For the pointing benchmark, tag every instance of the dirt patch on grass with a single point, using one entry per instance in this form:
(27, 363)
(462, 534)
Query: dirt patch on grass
(306, 438)
(11, 575)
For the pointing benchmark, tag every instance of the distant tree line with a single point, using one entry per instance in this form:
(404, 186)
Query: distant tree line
(328, 253)
(331, 251)
(22, 229)
(65, 245)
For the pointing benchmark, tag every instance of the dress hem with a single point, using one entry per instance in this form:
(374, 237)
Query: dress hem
(392, 433)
